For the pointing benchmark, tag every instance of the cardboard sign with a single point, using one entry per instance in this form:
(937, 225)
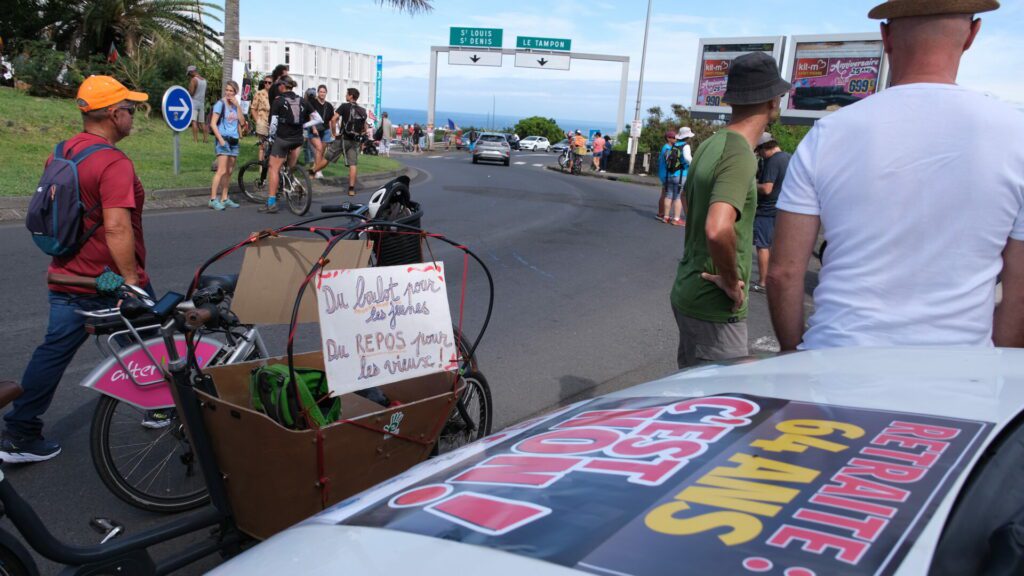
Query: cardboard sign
(383, 325)
(728, 484)
(273, 270)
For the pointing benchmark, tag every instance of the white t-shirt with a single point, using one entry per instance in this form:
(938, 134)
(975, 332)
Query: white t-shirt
(918, 189)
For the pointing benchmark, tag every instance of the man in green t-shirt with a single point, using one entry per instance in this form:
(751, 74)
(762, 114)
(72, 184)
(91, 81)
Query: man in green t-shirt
(709, 296)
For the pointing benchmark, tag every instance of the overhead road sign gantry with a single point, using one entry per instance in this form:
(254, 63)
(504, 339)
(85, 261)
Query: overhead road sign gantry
(544, 61)
(474, 57)
(535, 43)
(475, 37)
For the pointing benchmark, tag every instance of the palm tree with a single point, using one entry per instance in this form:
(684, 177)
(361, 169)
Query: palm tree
(136, 23)
(231, 27)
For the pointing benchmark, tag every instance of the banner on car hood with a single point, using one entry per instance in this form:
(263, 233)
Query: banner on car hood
(727, 484)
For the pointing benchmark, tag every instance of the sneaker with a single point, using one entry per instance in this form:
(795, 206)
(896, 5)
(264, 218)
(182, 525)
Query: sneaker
(229, 203)
(215, 204)
(319, 176)
(759, 288)
(267, 209)
(156, 419)
(23, 451)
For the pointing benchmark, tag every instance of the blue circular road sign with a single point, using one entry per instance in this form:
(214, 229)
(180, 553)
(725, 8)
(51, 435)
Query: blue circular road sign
(177, 108)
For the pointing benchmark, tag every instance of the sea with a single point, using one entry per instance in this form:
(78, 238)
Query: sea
(499, 122)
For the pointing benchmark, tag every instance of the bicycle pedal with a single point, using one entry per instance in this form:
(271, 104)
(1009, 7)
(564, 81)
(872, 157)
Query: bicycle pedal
(110, 529)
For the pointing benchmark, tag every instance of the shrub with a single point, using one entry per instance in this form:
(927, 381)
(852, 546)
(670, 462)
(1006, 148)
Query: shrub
(539, 126)
(44, 69)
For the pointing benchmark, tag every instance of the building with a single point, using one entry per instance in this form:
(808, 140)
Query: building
(312, 65)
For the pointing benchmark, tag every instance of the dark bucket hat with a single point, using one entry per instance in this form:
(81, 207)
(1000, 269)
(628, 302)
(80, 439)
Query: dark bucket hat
(753, 79)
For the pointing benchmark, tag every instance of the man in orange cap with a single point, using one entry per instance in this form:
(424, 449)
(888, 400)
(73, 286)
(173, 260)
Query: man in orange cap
(920, 191)
(112, 197)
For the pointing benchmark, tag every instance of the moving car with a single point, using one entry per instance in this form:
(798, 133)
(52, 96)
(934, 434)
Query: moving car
(535, 144)
(844, 461)
(492, 146)
(560, 147)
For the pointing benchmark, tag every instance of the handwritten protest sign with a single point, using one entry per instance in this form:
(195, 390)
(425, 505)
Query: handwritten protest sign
(383, 325)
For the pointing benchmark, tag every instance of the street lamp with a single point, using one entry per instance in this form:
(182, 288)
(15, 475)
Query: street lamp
(640, 91)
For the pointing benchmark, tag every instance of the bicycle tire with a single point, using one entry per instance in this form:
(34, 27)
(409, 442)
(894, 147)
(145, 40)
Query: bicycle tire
(116, 475)
(299, 191)
(256, 190)
(15, 559)
(455, 432)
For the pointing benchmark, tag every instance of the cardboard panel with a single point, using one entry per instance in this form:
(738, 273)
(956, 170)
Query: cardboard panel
(271, 472)
(273, 269)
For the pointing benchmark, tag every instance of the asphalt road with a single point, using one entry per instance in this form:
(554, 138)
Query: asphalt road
(582, 273)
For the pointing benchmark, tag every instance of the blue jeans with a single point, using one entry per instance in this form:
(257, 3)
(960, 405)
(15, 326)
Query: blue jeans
(65, 333)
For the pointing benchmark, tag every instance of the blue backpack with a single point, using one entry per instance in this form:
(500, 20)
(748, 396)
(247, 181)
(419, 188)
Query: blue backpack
(56, 213)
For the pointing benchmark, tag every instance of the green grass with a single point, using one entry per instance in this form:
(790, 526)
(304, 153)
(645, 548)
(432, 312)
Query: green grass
(30, 127)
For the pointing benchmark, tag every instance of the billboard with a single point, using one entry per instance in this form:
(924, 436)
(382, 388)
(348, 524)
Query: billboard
(715, 55)
(832, 71)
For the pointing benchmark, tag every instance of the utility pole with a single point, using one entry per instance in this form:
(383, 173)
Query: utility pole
(640, 90)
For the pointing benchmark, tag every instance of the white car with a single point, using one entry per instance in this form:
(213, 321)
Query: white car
(535, 144)
(869, 461)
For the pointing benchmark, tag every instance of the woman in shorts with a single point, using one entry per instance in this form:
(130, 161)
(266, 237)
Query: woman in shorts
(322, 134)
(227, 123)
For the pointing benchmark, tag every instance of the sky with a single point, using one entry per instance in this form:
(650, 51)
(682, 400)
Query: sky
(590, 90)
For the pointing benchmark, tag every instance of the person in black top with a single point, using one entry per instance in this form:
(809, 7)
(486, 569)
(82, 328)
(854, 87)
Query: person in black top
(280, 71)
(288, 113)
(320, 135)
(350, 118)
(774, 163)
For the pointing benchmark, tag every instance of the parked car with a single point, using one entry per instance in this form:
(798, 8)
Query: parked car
(492, 146)
(560, 147)
(535, 144)
(844, 461)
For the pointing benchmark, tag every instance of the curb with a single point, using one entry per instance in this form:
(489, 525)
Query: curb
(624, 178)
(15, 208)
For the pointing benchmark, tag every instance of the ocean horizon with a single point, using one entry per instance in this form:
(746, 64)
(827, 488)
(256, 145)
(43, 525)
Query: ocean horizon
(501, 121)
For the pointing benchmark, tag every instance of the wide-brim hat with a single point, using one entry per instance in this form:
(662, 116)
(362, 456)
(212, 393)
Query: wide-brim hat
(754, 79)
(684, 133)
(909, 8)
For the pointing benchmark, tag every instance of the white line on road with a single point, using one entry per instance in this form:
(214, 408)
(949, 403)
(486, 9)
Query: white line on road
(519, 163)
(435, 156)
(539, 165)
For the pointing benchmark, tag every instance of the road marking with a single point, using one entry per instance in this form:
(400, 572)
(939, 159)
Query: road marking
(539, 165)
(519, 163)
(435, 156)
(530, 266)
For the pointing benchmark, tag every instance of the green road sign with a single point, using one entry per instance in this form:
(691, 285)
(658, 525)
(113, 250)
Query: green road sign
(531, 43)
(475, 37)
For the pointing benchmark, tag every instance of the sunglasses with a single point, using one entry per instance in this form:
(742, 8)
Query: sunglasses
(129, 109)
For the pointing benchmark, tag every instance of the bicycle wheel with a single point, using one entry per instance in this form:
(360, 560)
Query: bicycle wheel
(298, 190)
(476, 397)
(15, 559)
(577, 166)
(251, 183)
(563, 162)
(152, 469)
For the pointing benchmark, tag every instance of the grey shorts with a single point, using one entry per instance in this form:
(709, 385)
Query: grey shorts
(701, 341)
(350, 148)
(764, 232)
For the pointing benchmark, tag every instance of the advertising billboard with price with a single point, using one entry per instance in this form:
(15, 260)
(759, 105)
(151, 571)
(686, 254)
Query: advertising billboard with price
(830, 72)
(715, 55)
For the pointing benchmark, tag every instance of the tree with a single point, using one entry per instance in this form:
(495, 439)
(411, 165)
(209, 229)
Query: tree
(231, 34)
(137, 23)
(539, 126)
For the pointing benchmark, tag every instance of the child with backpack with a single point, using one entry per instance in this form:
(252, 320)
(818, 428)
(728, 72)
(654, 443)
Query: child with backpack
(673, 165)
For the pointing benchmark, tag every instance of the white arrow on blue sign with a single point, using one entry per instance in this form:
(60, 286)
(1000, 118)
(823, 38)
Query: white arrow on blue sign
(177, 108)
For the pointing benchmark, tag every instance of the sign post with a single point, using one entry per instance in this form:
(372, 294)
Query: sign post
(380, 81)
(176, 107)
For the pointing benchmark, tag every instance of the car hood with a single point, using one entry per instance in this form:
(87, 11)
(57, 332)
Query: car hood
(441, 514)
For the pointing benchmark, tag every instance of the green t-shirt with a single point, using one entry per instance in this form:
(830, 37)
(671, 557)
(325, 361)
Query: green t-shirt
(723, 170)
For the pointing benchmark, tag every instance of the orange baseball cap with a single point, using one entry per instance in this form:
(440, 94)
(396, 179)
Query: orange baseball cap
(102, 91)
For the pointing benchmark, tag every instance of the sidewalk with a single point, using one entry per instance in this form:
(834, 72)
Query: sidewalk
(642, 179)
(14, 208)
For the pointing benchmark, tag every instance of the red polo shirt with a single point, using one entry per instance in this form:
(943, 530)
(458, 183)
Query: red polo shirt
(106, 178)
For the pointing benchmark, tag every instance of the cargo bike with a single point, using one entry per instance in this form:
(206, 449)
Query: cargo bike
(262, 476)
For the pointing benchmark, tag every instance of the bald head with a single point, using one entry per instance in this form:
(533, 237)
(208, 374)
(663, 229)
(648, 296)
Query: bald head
(928, 48)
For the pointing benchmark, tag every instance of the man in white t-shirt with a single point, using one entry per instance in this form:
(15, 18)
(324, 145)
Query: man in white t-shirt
(919, 190)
